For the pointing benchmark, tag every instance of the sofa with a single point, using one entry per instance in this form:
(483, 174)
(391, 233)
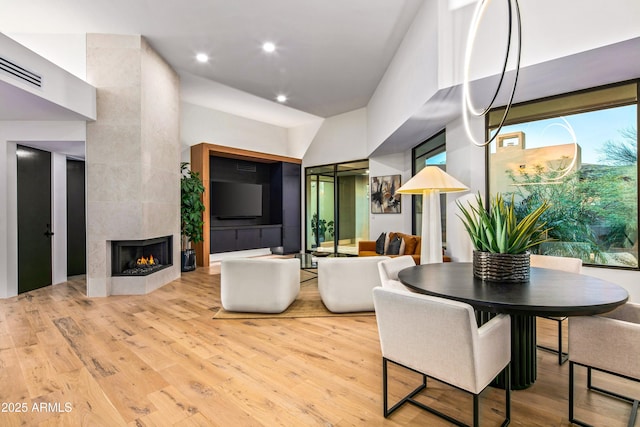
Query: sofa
(411, 246)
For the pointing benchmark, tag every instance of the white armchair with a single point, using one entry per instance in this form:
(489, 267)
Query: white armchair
(346, 284)
(571, 265)
(608, 343)
(259, 285)
(439, 338)
(389, 269)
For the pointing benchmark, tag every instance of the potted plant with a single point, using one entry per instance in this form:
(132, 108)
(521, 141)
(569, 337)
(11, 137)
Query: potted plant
(191, 209)
(320, 227)
(501, 242)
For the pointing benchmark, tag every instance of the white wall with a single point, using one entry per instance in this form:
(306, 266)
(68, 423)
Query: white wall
(550, 30)
(67, 51)
(430, 59)
(410, 80)
(339, 139)
(301, 137)
(201, 124)
(58, 86)
(11, 134)
(553, 29)
(59, 220)
(393, 164)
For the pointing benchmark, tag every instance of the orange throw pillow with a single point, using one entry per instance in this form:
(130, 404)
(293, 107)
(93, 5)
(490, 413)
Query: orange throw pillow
(410, 244)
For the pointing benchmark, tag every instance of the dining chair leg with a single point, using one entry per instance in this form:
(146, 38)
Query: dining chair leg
(507, 396)
(571, 379)
(635, 404)
(562, 356)
(410, 397)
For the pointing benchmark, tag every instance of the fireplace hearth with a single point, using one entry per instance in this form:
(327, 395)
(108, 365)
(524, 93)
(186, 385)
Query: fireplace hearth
(141, 257)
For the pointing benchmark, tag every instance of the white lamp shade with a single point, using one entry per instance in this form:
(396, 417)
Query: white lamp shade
(430, 182)
(432, 178)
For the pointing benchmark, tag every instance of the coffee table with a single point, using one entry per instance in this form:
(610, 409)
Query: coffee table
(308, 262)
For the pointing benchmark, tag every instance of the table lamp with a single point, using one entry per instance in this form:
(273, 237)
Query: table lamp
(430, 182)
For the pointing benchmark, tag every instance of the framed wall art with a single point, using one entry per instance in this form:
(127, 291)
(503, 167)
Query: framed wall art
(383, 197)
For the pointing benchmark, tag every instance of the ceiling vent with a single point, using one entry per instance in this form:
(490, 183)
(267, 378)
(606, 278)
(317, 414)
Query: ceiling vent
(17, 71)
(245, 167)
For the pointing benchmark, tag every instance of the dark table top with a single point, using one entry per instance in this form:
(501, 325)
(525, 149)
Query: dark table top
(548, 292)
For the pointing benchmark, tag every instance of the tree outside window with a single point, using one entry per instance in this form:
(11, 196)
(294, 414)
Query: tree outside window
(579, 152)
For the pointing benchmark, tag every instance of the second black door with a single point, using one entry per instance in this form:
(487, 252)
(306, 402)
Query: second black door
(34, 218)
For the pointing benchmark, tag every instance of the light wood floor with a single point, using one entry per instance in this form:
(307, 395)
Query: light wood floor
(161, 360)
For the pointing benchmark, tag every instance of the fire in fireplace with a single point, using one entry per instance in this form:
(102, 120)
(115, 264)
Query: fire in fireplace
(140, 257)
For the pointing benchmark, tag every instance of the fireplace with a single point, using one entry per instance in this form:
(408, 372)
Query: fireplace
(141, 257)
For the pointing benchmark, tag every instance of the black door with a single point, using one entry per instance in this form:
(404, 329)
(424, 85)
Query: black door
(34, 218)
(76, 219)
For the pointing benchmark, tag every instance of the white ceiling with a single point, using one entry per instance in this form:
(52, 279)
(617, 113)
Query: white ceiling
(330, 54)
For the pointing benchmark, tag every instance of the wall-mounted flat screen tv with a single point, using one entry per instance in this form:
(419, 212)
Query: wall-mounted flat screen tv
(235, 200)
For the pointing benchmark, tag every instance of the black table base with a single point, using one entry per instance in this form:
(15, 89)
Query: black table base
(523, 350)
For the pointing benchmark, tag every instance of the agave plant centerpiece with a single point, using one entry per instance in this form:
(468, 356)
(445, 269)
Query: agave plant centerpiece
(501, 242)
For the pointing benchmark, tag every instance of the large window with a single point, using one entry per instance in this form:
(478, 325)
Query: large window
(431, 152)
(579, 152)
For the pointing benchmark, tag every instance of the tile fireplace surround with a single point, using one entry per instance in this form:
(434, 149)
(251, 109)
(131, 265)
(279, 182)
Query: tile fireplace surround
(132, 159)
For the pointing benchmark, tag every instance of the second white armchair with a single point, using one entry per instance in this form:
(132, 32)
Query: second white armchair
(346, 284)
(608, 343)
(390, 268)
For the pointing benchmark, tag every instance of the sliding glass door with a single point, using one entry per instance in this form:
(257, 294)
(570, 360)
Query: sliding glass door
(320, 208)
(337, 207)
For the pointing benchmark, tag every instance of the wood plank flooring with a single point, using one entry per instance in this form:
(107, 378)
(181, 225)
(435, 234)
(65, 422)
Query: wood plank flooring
(161, 360)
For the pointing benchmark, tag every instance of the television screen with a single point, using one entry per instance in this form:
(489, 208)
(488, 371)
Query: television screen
(236, 200)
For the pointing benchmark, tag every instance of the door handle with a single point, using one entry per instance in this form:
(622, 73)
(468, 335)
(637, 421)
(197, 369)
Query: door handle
(49, 233)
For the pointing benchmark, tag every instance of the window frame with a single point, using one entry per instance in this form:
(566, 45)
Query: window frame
(440, 147)
(546, 115)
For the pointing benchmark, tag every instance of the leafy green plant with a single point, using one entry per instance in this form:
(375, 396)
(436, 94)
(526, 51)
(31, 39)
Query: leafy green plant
(319, 227)
(191, 206)
(496, 229)
(594, 207)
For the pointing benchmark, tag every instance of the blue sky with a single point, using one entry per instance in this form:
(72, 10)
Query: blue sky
(591, 129)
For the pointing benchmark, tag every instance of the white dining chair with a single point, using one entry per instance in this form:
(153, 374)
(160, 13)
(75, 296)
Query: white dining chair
(571, 265)
(389, 269)
(607, 343)
(439, 338)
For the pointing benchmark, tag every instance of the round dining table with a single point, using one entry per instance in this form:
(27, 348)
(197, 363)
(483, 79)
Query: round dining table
(547, 293)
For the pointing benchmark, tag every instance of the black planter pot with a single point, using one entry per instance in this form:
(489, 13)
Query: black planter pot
(188, 257)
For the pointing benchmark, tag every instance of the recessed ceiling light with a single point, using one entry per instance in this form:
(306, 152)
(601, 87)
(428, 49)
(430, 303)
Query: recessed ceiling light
(269, 47)
(202, 57)
(281, 98)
